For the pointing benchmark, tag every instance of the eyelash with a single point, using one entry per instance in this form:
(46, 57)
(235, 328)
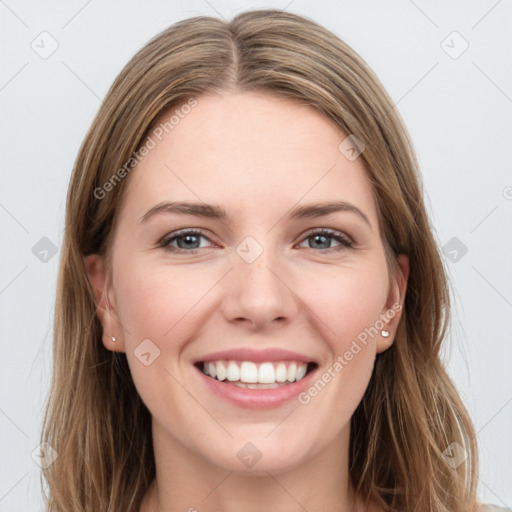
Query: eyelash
(346, 242)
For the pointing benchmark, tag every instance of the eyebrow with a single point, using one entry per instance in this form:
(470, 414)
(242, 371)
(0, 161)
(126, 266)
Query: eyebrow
(218, 212)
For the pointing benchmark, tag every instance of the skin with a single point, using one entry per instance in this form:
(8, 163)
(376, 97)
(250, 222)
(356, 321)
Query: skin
(258, 156)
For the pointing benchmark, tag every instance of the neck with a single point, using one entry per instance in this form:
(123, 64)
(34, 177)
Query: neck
(185, 481)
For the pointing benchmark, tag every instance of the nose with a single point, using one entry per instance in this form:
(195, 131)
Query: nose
(259, 294)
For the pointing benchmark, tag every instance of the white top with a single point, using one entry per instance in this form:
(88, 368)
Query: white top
(494, 508)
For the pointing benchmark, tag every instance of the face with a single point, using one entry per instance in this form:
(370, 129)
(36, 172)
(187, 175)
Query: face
(273, 284)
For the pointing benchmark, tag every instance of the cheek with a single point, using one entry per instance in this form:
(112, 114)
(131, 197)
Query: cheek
(166, 304)
(348, 311)
(347, 301)
(158, 303)
(162, 305)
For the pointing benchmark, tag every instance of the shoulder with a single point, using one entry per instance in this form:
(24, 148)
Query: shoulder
(493, 508)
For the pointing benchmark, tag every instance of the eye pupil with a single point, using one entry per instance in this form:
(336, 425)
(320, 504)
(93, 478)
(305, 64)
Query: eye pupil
(325, 238)
(189, 239)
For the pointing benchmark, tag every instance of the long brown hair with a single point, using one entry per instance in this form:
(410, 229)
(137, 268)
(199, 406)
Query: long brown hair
(411, 412)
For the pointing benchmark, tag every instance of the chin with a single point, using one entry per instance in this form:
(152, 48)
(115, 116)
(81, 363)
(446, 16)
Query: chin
(259, 454)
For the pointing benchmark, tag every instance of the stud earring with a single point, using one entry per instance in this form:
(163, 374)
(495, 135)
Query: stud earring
(113, 339)
(384, 334)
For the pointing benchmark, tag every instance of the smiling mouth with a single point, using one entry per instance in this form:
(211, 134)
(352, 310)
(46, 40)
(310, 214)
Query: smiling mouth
(251, 375)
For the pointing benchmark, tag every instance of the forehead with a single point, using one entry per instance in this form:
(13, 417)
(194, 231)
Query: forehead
(248, 150)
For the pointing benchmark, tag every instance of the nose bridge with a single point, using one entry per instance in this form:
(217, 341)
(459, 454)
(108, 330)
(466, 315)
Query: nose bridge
(259, 276)
(256, 291)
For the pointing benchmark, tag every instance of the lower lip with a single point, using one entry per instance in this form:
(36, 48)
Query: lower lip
(257, 398)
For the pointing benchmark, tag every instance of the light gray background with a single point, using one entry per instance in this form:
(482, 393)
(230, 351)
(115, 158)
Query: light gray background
(458, 111)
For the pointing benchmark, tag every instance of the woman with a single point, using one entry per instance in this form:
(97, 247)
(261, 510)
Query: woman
(251, 302)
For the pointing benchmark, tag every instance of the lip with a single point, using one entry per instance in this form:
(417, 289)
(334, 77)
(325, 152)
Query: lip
(257, 356)
(257, 398)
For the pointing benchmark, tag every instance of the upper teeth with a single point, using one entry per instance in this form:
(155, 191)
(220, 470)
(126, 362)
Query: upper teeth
(249, 372)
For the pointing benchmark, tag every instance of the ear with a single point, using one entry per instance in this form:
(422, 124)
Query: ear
(105, 303)
(392, 312)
